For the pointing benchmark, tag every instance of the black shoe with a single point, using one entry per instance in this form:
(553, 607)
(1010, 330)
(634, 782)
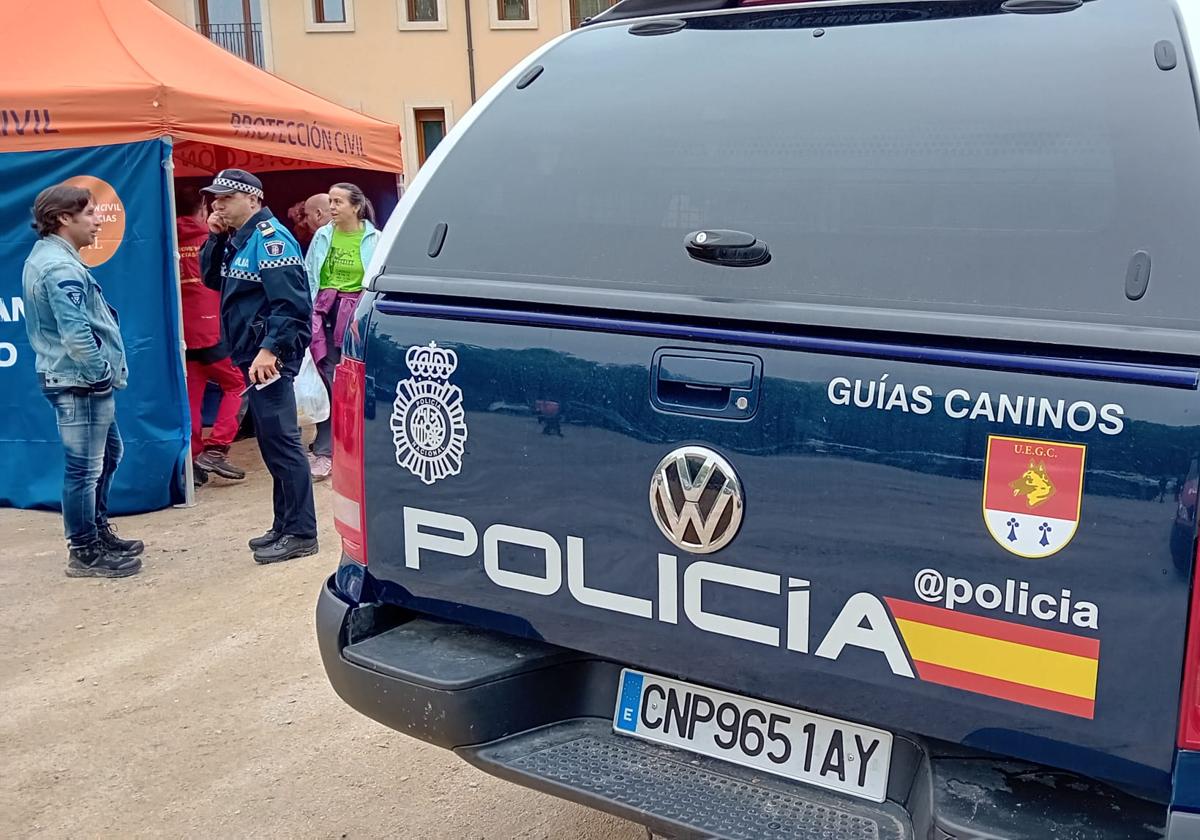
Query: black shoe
(199, 475)
(116, 545)
(213, 460)
(95, 561)
(287, 547)
(269, 538)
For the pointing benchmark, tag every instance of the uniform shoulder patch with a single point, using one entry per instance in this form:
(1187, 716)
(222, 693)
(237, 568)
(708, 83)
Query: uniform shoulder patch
(266, 229)
(274, 249)
(74, 291)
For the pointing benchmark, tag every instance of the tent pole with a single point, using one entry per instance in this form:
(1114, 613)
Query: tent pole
(189, 489)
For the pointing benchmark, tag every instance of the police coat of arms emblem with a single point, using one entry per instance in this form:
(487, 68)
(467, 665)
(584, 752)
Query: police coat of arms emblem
(428, 423)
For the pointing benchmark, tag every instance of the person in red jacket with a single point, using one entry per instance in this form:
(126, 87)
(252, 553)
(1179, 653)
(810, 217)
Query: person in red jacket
(207, 355)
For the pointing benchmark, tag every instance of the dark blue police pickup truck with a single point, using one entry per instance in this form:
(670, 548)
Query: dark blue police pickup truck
(782, 421)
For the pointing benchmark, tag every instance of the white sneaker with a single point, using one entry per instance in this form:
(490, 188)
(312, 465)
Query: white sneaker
(312, 458)
(322, 466)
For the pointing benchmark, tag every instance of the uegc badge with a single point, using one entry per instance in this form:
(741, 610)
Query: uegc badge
(1032, 494)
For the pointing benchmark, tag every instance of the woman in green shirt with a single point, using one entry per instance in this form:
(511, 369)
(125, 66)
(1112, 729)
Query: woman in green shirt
(337, 261)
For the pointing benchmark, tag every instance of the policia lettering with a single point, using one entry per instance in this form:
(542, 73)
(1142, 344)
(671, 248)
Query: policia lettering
(959, 404)
(863, 621)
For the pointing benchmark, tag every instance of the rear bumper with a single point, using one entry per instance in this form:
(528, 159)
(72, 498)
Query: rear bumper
(452, 685)
(540, 716)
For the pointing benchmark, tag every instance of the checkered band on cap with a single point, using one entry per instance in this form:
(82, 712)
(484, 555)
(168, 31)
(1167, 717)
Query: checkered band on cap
(237, 185)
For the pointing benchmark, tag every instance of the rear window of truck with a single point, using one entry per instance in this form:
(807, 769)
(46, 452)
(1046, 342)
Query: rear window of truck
(994, 164)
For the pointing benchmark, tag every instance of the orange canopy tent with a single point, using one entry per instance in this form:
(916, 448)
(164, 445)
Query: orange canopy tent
(118, 96)
(101, 72)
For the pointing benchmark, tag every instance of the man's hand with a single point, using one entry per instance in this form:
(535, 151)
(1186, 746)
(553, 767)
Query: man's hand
(264, 367)
(216, 222)
(105, 385)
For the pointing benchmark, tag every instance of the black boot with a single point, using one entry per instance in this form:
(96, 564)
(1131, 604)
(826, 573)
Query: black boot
(265, 540)
(199, 475)
(95, 561)
(287, 547)
(118, 546)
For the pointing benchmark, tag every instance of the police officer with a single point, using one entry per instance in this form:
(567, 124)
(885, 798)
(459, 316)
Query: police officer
(265, 312)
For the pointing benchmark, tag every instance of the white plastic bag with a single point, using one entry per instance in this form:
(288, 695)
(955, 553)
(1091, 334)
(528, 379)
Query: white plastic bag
(312, 400)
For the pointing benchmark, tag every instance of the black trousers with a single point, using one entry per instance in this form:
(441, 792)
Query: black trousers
(278, 430)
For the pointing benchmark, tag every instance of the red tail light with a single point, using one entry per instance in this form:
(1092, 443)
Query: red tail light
(1189, 704)
(349, 384)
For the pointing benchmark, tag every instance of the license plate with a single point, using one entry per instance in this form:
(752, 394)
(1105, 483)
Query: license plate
(819, 750)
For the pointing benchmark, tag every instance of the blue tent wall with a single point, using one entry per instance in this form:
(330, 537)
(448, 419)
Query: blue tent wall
(140, 283)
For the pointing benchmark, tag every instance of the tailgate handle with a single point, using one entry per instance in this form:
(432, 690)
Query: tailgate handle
(727, 247)
(707, 384)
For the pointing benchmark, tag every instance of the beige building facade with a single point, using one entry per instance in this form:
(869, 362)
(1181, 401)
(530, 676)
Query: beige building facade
(407, 61)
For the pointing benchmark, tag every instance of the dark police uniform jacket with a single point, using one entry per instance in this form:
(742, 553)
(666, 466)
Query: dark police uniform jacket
(265, 300)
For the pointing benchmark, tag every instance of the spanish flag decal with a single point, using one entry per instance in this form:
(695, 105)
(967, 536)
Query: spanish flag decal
(1044, 668)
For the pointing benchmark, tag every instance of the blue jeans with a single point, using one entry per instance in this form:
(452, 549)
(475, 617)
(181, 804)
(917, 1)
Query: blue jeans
(87, 425)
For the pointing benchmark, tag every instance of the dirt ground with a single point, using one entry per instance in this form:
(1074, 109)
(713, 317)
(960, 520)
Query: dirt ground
(190, 701)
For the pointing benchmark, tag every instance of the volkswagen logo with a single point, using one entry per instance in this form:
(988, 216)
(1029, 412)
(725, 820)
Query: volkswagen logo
(696, 499)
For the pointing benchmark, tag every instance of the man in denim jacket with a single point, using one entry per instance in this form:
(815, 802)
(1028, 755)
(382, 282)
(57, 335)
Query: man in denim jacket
(80, 360)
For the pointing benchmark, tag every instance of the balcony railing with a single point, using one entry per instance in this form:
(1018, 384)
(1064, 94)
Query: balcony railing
(242, 39)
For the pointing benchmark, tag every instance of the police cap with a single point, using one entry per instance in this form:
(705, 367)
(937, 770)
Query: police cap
(234, 180)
